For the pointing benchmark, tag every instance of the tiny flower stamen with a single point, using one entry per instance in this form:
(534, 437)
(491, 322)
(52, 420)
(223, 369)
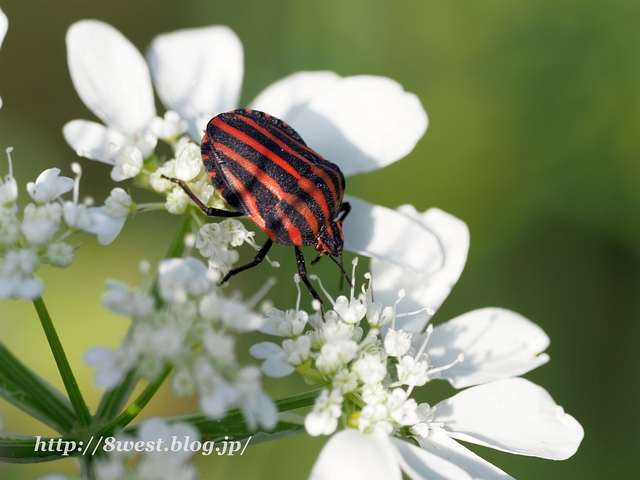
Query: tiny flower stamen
(77, 169)
(401, 294)
(429, 331)
(354, 262)
(296, 279)
(460, 359)
(317, 279)
(260, 294)
(9, 150)
(430, 311)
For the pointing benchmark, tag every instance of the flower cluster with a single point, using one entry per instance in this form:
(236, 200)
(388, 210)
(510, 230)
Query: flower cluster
(361, 123)
(39, 236)
(369, 359)
(364, 368)
(190, 327)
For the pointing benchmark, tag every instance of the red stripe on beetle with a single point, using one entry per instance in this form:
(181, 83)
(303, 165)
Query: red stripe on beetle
(250, 201)
(273, 186)
(304, 183)
(316, 170)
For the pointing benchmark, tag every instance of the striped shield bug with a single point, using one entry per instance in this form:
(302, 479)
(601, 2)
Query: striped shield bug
(264, 170)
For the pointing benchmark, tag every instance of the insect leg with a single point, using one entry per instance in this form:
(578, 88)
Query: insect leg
(212, 212)
(345, 209)
(256, 260)
(302, 271)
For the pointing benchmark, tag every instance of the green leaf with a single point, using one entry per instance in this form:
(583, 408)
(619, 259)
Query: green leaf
(71, 385)
(27, 391)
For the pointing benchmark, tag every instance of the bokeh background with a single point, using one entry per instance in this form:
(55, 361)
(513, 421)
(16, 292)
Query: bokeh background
(533, 141)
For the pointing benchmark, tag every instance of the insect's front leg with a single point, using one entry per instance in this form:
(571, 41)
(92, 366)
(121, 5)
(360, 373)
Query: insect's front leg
(302, 271)
(256, 260)
(210, 211)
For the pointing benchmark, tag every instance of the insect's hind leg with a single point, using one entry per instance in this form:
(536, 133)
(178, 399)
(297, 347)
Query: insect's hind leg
(210, 211)
(256, 261)
(302, 271)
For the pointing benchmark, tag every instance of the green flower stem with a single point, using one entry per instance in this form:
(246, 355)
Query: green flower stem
(70, 383)
(135, 408)
(27, 391)
(311, 374)
(112, 401)
(234, 425)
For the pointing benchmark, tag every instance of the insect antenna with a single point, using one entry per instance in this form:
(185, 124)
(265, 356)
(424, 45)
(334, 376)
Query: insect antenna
(344, 274)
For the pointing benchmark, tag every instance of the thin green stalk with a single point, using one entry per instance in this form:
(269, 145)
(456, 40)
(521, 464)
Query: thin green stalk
(70, 383)
(135, 408)
(113, 400)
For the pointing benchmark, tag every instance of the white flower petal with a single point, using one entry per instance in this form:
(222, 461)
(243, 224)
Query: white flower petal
(496, 344)
(426, 288)
(422, 464)
(4, 26)
(106, 227)
(439, 443)
(285, 97)
(351, 455)
(265, 350)
(391, 236)
(93, 140)
(198, 73)
(512, 415)
(277, 368)
(361, 123)
(110, 76)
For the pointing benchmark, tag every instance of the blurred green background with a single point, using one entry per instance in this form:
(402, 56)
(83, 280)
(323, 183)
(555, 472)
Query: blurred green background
(533, 141)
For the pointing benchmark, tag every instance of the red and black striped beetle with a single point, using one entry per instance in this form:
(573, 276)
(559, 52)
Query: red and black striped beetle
(264, 170)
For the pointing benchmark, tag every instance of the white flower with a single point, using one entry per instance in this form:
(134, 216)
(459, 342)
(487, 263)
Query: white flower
(414, 371)
(511, 415)
(180, 278)
(189, 162)
(350, 311)
(120, 96)
(371, 369)
(120, 300)
(323, 419)
(76, 215)
(280, 361)
(128, 163)
(285, 324)
(41, 223)
(9, 226)
(275, 359)
(397, 343)
(8, 191)
(111, 365)
(119, 203)
(257, 407)
(59, 254)
(104, 225)
(16, 275)
(169, 128)
(49, 186)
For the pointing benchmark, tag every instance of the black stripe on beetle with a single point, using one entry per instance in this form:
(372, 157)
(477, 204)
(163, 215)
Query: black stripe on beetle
(264, 170)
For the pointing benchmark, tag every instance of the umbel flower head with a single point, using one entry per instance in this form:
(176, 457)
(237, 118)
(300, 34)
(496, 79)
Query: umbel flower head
(370, 359)
(40, 236)
(193, 332)
(361, 123)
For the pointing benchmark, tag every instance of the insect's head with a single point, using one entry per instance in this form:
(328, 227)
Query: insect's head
(330, 240)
